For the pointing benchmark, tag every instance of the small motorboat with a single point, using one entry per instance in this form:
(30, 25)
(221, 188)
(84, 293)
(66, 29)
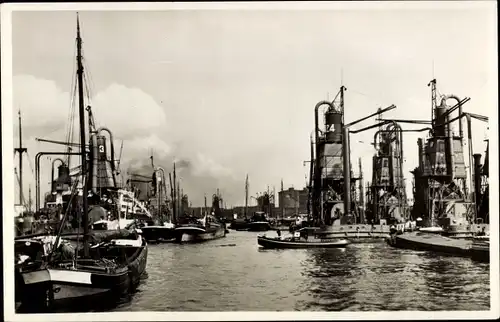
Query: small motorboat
(295, 242)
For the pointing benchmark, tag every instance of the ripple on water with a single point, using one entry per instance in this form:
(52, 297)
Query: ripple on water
(374, 277)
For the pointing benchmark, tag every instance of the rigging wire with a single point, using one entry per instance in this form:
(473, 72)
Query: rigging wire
(367, 96)
(71, 114)
(87, 75)
(86, 81)
(30, 164)
(23, 200)
(50, 132)
(90, 78)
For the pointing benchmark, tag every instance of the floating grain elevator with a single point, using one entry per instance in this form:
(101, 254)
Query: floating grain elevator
(443, 195)
(329, 167)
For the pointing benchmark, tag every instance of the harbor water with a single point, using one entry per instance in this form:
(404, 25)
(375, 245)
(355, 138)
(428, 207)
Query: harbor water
(234, 274)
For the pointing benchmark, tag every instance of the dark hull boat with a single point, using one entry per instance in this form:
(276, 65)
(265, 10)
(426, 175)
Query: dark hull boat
(259, 220)
(193, 230)
(290, 243)
(258, 226)
(250, 225)
(113, 270)
(239, 224)
(49, 290)
(480, 250)
(158, 233)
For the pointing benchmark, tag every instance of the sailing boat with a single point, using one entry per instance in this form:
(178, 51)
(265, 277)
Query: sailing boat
(58, 275)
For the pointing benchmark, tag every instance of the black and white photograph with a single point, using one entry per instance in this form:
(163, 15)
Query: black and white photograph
(249, 160)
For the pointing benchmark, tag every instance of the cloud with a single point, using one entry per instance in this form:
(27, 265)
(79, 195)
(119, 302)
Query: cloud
(128, 111)
(133, 116)
(207, 166)
(144, 145)
(44, 106)
(229, 110)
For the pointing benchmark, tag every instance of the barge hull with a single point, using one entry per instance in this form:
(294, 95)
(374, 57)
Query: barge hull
(285, 244)
(440, 244)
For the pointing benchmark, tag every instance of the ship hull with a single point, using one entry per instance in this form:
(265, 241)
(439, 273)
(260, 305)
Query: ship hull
(158, 233)
(274, 243)
(58, 289)
(196, 234)
(86, 287)
(355, 234)
(239, 225)
(258, 226)
(441, 244)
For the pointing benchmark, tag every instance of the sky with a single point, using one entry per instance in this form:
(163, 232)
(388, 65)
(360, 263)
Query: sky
(232, 92)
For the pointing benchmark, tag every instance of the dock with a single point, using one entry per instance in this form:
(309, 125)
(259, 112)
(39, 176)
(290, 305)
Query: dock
(441, 244)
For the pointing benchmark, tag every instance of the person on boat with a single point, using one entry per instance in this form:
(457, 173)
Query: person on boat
(279, 233)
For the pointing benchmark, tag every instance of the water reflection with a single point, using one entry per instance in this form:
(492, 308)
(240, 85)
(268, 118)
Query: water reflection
(452, 276)
(243, 277)
(327, 280)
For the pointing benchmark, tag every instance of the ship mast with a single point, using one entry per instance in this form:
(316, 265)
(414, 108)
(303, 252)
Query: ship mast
(20, 150)
(282, 206)
(176, 214)
(205, 206)
(81, 112)
(246, 196)
(174, 219)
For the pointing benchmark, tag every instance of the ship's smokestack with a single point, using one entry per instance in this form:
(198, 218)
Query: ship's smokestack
(53, 187)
